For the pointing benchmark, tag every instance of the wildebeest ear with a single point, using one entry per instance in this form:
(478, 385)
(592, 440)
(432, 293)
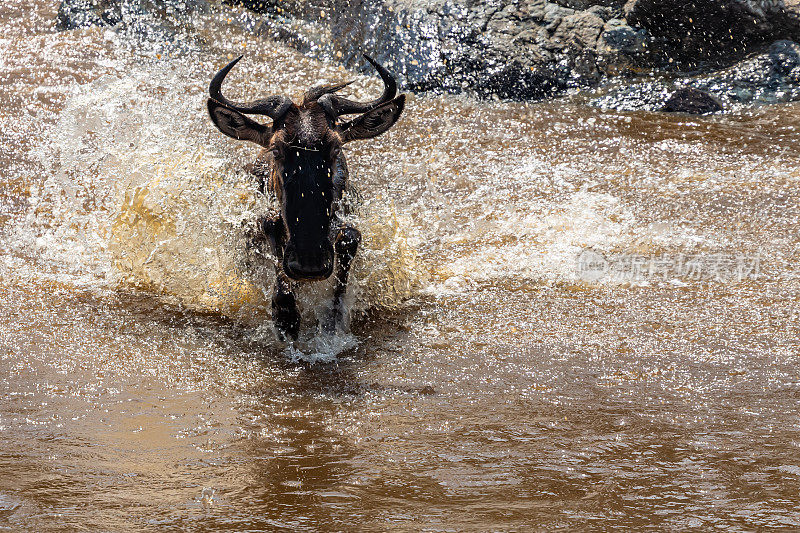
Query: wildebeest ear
(373, 123)
(236, 125)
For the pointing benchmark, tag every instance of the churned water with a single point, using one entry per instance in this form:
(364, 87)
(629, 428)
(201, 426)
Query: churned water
(563, 317)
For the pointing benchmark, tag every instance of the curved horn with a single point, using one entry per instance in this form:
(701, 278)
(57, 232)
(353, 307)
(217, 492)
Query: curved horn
(273, 106)
(342, 106)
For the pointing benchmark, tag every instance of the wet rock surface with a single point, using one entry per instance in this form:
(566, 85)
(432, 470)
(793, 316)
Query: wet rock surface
(524, 49)
(82, 13)
(531, 49)
(768, 78)
(693, 101)
(692, 32)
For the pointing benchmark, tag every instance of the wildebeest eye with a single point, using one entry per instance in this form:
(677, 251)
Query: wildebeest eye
(276, 153)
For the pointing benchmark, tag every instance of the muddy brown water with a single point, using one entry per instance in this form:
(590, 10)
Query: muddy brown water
(563, 317)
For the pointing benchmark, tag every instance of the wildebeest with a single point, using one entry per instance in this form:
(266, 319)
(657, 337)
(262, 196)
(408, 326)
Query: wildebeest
(302, 164)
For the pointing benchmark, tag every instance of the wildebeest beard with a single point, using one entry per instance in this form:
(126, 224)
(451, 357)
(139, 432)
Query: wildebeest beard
(307, 201)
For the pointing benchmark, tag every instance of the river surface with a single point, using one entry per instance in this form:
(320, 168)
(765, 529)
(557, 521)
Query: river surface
(562, 317)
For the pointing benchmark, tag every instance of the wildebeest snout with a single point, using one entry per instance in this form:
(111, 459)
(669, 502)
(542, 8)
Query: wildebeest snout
(308, 264)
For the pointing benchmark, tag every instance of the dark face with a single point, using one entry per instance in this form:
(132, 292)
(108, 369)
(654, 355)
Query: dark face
(305, 142)
(305, 148)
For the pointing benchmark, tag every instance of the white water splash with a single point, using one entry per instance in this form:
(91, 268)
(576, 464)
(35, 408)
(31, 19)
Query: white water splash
(527, 238)
(316, 347)
(143, 192)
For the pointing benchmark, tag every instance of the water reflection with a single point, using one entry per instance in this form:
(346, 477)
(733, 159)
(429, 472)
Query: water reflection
(297, 466)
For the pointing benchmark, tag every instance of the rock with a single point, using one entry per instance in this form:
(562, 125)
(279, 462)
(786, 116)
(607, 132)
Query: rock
(82, 13)
(586, 4)
(603, 12)
(767, 78)
(690, 32)
(487, 48)
(619, 37)
(579, 31)
(692, 101)
(554, 14)
(518, 49)
(784, 58)
(532, 11)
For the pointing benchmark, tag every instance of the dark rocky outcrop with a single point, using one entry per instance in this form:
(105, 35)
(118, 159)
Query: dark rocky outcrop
(82, 13)
(520, 49)
(691, 32)
(692, 101)
(768, 78)
(535, 48)
(513, 49)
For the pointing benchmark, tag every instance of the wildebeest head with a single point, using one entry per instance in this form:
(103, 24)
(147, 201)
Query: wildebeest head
(304, 144)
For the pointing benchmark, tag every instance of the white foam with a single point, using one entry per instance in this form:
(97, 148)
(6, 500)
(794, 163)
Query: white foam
(520, 236)
(317, 347)
(143, 192)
